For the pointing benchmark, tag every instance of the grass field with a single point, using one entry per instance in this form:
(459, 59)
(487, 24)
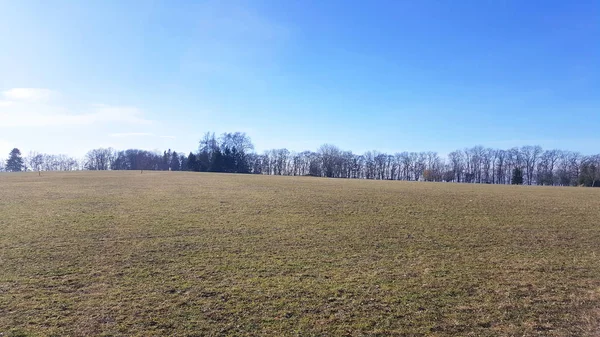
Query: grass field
(188, 254)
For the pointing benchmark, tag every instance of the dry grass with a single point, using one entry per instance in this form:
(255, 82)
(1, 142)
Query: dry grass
(187, 254)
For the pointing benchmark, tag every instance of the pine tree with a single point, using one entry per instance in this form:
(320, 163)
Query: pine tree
(183, 162)
(15, 161)
(517, 177)
(174, 164)
(204, 161)
(216, 162)
(228, 161)
(192, 163)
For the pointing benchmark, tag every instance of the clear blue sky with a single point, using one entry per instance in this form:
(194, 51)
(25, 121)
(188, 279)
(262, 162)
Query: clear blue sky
(385, 75)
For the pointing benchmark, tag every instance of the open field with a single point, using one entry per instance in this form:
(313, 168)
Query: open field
(189, 254)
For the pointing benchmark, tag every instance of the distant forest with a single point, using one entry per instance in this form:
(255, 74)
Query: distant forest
(234, 153)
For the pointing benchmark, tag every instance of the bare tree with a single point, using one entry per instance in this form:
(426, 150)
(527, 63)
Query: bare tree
(330, 155)
(499, 167)
(100, 159)
(457, 163)
(590, 171)
(531, 155)
(546, 168)
(35, 161)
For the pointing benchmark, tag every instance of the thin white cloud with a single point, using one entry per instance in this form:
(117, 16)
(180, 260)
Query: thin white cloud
(29, 118)
(28, 108)
(131, 134)
(169, 137)
(28, 94)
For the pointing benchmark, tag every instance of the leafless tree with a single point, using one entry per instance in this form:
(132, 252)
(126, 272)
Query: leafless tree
(530, 155)
(457, 163)
(100, 159)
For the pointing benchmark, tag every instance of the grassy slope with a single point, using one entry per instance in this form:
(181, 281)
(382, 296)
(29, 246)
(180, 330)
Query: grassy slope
(124, 253)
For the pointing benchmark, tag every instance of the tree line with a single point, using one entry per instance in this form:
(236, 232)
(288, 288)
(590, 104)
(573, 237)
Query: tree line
(234, 153)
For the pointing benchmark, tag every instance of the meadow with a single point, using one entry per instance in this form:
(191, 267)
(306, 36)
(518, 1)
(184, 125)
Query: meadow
(198, 254)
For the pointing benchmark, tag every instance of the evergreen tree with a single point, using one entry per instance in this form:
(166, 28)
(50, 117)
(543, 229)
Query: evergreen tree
(241, 161)
(216, 162)
(192, 163)
(204, 161)
(15, 161)
(183, 162)
(166, 161)
(517, 176)
(228, 161)
(174, 163)
(235, 160)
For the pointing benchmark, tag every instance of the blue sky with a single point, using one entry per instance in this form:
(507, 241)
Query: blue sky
(385, 75)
